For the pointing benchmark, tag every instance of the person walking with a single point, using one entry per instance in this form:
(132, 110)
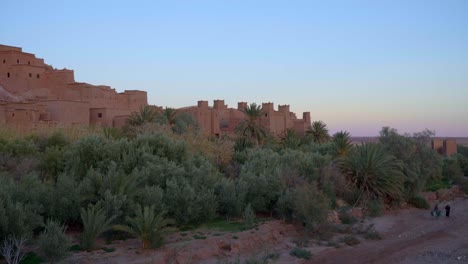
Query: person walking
(447, 210)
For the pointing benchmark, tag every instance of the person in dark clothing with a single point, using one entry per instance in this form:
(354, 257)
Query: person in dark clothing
(447, 210)
(436, 209)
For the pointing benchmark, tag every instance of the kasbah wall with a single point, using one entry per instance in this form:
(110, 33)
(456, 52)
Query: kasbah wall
(34, 94)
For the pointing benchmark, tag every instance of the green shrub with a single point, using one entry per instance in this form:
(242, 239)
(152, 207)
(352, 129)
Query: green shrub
(438, 184)
(54, 244)
(419, 202)
(345, 217)
(310, 207)
(373, 235)
(32, 258)
(351, 240)
(147, 225)
(95, 222)
(300, 253)
(375, 208)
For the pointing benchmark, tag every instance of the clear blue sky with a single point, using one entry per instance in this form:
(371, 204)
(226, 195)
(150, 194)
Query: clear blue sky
(356, 65)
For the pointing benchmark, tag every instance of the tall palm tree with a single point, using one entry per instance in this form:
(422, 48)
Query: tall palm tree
(319, 132)
(148, 226)
(251, 127)
(374, 172)
(342, 141)
(147, 114)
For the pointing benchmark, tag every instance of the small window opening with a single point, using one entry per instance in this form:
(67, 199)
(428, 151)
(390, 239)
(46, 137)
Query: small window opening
(17, 61)
(4, 61)
(13, 114)
(266, 115)
(99, 115)
(30, 74)
(37, 76)
(8, 74)
(29, 63)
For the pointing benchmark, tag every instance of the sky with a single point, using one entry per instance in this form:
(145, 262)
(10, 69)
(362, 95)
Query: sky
(356, 65)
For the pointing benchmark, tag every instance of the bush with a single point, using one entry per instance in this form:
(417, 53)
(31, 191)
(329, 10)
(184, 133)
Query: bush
(372, 235)
(345, 217)
(300, 253)
(375, 208)
(437, 184)
(351, 240)
(12, 250)
(53, 242)
(95, 222)
(419, 202)
(147, 225)
(310, 207)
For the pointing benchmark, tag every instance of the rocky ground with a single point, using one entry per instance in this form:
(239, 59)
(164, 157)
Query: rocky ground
(409, 236)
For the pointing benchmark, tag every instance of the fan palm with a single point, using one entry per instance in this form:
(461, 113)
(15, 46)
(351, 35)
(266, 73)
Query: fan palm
(342, 142)
(95, 222)
(319, 132)
(251, 126)
(147, 114)
(148, 226)
(373, 172)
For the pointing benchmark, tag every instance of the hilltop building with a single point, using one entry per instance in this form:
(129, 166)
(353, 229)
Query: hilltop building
(221, 120)
(34, 94)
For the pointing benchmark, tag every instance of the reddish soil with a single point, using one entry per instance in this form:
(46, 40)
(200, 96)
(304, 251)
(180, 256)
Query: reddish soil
(409, 236)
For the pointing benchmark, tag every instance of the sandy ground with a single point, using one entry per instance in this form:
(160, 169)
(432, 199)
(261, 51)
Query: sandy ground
(409, 236)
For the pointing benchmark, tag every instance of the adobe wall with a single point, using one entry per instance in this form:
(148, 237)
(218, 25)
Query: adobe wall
(68, 113)
(104, 117)
(450, 147)
(23, 77)
(220, 119)
(437, 145)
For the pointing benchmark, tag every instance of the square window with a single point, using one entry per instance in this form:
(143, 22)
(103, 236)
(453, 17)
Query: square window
(99, 115)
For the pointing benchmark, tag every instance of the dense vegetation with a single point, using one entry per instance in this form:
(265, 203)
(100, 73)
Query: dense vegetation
(160, 173)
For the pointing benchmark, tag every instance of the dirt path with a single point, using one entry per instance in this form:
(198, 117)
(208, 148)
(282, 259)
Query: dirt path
(412, 236)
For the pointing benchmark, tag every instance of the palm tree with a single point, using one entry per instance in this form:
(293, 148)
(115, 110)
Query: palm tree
(342, 142)
(170, 114)
(147, 114)
(148, 226)
(319, 132)
(251, 127)
(95, 222)
(291, 139)
(374, 172)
